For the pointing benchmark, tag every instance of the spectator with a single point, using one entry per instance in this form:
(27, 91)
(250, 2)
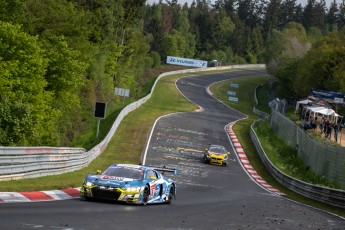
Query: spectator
(329, 130)
(325, 127)
(313, 123)
(336, 127)
(321, 125)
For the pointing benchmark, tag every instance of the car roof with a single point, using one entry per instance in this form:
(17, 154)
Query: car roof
(141, 167)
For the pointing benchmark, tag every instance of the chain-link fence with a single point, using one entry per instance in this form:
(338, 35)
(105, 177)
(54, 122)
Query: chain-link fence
(324, 159)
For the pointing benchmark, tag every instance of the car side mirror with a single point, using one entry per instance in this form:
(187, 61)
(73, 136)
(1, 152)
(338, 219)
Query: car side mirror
(98, 172)
(228, 153)
(206, 149)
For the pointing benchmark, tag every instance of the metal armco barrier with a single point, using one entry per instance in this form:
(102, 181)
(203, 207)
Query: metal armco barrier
(333, 197)
(28, 162)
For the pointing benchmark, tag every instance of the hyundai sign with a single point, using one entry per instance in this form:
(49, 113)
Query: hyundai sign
(186, 62)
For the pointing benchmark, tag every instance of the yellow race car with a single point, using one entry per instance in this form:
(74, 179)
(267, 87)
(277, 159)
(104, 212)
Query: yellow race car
(216, 155)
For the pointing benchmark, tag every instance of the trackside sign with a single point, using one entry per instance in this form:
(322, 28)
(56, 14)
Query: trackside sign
(186, 62)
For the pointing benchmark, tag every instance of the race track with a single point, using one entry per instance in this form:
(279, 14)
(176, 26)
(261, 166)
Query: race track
(208, 197)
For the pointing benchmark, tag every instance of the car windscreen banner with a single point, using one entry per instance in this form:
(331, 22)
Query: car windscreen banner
(186, 62)
(329, 96)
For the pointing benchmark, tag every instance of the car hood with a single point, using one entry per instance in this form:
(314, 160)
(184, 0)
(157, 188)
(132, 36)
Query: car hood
(111, 181)
(218, 155)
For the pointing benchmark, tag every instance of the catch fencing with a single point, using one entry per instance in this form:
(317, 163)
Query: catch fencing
(28, 162)
(330, 196)
(289, 131)
(324, 159)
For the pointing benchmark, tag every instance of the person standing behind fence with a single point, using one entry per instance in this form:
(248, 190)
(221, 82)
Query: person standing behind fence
(329, 130)
(322, 121)
(336, 128)
(325, 127)
(313, 123)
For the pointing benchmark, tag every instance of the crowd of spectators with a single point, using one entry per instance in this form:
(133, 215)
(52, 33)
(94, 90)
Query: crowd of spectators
(325, 126)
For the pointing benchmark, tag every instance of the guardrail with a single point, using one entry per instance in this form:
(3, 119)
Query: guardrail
(28, 162)
(330, 196)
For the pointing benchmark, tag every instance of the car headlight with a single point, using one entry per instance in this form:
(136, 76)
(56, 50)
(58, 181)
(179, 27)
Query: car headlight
(132, 189)
(226, 157)
(207, 155)
(88, 183)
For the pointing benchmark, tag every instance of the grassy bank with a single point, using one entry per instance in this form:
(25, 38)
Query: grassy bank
(245, 104)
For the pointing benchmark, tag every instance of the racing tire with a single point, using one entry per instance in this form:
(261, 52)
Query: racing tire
(171, 195)
(146, 195)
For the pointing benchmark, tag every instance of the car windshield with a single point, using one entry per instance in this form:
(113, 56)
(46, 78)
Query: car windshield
(127, 172)
(218, 149)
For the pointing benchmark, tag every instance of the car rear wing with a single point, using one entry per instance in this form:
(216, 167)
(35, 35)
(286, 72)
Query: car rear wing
(164, 169)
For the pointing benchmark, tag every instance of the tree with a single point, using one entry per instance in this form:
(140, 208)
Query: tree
(256, 45)
(314, 14)
(65, 78)
(12, 11)
(323, 66)
(240, 39)
(288, 12)
(342, 14)
(26, 115)
(285, 50)
(333, 15)
(222, 30)
(273, 12)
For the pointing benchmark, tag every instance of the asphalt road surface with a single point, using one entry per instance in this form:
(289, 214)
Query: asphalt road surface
(208, 197)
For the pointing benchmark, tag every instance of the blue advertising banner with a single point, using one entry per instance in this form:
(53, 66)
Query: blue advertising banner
(329, 96)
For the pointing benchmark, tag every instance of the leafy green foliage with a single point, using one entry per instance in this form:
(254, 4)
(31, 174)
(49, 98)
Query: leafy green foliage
(323, 66)
(25, 111)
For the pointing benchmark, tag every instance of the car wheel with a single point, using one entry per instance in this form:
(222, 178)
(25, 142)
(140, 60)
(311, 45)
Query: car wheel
(204, 159)
(171, 195)
(146, 195)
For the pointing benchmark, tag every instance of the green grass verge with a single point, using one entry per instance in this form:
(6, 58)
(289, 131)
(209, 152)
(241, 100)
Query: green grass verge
(245, 93)
(89, 139)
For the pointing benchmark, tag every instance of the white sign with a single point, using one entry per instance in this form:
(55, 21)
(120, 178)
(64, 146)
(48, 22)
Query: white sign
(338, 100)
(122, 92)
(186, 62)
(233, 99)
(233, 85)
(231, 93)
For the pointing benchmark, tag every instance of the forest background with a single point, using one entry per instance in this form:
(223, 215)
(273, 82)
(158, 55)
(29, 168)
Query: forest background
(57, 58)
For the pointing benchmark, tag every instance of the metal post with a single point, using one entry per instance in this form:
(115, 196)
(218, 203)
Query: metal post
(99, 121)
